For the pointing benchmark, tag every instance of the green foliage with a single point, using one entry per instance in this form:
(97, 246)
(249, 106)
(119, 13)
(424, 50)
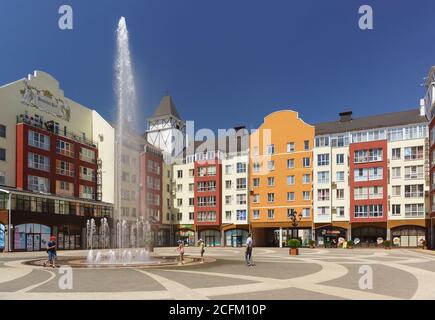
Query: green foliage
(350, 244)
(294, 243)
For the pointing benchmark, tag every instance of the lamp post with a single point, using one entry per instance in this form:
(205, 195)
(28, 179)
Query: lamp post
(9, 243)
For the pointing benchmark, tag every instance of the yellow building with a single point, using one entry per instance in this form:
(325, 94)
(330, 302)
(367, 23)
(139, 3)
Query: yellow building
(281, 179)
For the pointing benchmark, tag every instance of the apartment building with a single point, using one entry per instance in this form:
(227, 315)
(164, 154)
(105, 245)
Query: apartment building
(51, 165)
(429, 103)
(280, 179)
(370, 178)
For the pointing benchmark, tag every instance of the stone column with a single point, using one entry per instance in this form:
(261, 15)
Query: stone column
(349, 232)
(388, 234)
(280, 237)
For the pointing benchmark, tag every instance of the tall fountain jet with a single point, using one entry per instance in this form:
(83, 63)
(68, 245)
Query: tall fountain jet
(126, 105)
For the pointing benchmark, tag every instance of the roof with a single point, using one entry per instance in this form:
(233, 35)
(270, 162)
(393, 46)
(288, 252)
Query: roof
(166, 107)
(371, 122)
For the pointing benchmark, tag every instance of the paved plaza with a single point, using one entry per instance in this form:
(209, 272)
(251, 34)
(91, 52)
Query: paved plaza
(314, 274)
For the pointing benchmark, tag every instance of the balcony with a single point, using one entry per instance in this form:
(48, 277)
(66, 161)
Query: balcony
(39, 166)
(65, 152)
(49, 128)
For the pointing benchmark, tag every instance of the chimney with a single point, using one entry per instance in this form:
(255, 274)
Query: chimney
(345, 116)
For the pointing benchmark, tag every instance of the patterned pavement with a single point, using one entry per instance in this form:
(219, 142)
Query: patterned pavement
(314, 274)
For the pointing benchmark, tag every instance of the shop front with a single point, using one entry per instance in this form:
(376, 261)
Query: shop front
(211, 237)
(2, 237)
(330, 236)
(236, 237)
(408, 236)
(185, 235)
(368, 236)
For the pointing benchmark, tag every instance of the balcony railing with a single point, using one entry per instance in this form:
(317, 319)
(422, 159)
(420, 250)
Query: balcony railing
(89, 196)
(39, 166)
(49, 127)
(88, 177)
(65, 152)
(415, 194)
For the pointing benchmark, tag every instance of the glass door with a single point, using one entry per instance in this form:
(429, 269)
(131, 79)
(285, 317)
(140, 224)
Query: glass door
(210, 241)
(29, 242)
(36, 242)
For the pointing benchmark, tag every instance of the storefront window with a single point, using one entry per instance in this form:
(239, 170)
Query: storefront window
(187, 236)
(2, 236)
(236, 237)
(408, 236)
(211, 238)
(31, 237)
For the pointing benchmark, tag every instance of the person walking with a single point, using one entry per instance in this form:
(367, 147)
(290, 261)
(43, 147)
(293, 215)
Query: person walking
(180, 250)
(51, 250)
(201, 249)
(248, 253)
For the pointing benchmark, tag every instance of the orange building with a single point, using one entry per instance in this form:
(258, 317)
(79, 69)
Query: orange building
(280, 172)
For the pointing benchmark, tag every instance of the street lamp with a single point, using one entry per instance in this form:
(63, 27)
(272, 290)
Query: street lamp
(9, 219)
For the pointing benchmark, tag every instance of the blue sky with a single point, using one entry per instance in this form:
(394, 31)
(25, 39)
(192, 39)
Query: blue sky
(229, 62)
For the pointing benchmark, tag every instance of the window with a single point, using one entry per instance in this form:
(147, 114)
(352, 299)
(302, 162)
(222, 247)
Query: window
(241, 215)
(88, 174)
(395, 154)
(241, 199)
(290, 196)
(179, 174)
(38, 184)
(323, 194)
(256, 198)
(256, 167)
(64, 168)
(361, 175)
(2, 178)
(2, 154)
(306, 212)
(375, 155)
(365, 211)
(2, 131)
(361, 193)
(191, 187)
(290, 213)
(191, 173)
(339, 141)
(256, 151)
(414, 210)
(191, 215)
(228, 169)
(306, 162)
(228, 200)
(395, 211)
(87, 155)
(39, 162)
(322, 142)
(323, 177)
(306, 195)
(323, 159)
(414, 172)
(191, 202)
(270, 149)
(241, 167)
(256, 214)
(256, 182)
(413, 153)
(376, 192)
(340, 176)
(306, 145)
(339, 158)
(228, 184)
(179, 202)
(290, 163)
(290, 147)
(241, 183)
(270, 197)
(360, 156)
(395, 190)
(414, 191)
(376, 173)
(395, 172)
(306, 179)
(271, 165)
(323, 211)
(228, 215)
(39, 140)
(340, 212)
(340, 194)
(290, 180)
(395, 134)
(270, 214)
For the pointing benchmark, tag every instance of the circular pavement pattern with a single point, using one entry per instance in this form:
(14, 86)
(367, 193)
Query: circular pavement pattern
(374, 274)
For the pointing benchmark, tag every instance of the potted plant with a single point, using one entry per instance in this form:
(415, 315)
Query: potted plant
(294, 245)
(312, 244)
(350, 244)
(387, 244)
